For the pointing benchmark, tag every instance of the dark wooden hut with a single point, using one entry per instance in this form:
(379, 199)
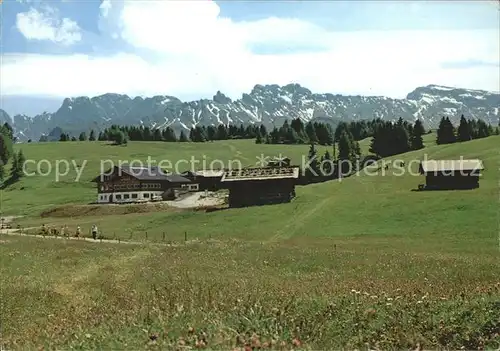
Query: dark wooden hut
(260, 186)
(451, 174)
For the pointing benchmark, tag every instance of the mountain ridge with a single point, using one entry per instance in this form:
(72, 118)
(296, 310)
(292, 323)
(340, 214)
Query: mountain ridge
(268, 104)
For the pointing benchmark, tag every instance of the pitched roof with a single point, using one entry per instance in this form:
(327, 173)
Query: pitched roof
(175, 178)
(263, 173)
(149, 173)
(144, 173)
(207, 173)
(450, 165)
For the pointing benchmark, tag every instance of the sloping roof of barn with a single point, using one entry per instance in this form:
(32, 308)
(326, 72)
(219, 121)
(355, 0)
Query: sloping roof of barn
(263, 173)
(450, 165)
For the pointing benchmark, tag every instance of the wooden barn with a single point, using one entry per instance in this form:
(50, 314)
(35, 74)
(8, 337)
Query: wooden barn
(451, 174)
(135, 184)
(205, 179)
(260, 186)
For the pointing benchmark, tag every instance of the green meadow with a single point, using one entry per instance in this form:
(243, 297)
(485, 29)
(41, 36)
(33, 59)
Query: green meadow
(363, 262)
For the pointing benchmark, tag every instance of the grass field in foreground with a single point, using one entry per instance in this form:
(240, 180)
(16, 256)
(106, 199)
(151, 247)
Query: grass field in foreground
(361, 263)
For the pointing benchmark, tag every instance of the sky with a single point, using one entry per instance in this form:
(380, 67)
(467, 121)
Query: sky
(192, 49)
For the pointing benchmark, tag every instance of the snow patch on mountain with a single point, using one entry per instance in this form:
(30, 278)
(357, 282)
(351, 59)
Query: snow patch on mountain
(270, 105)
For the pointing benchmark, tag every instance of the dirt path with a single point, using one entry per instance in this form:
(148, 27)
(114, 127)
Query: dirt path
(16, 232)
(297, 222)
(195, 200)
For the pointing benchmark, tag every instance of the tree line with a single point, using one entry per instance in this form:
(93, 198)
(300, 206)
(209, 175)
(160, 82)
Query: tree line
(8, 154)
(467, 130)
(122, 134)
(396, 138)
(388, 138)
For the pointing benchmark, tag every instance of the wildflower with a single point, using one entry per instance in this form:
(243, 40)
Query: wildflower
(374, 296)
(388, 304)
(389, 299)
(419, 301)
(370, 311)
(296, 342)
(190, 330)
(199, 344)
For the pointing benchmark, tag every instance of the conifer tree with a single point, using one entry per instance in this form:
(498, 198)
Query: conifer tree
(16, 168)
(445, 132)
(2, 172)
(182, 137)
(82, 136)
(311, 133)
(464, 132)
(169, 135)
(5, 146)
(326, 164)
(416, 140)
(258, 139)
(313, 169)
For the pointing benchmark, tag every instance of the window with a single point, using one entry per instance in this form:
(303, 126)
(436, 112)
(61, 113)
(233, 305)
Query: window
(118, 197)
(146, 195)
(134, 196)
(126, 196)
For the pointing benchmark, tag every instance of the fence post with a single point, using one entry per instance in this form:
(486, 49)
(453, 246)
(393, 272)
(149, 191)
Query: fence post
(146, 235)
(163, 236)
(185, 236)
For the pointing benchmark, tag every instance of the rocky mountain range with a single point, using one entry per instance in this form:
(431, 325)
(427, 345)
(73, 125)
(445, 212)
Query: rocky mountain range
(266, 104)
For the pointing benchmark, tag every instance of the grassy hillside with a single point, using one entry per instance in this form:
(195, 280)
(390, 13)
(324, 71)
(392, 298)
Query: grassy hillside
(36, 193)
(360, 263)
(54, 183)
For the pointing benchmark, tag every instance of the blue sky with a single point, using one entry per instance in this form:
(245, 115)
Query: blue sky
(192, 49)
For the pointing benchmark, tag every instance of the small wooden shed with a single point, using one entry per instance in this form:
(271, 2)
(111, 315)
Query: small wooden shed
(260, 186)
(451, 174)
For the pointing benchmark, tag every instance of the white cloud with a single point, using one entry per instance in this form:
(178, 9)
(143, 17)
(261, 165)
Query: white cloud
(47, 25)
(105, 7)
(197, 52)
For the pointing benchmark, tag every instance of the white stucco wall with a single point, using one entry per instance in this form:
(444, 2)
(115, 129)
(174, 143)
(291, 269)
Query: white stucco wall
(119, 197)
